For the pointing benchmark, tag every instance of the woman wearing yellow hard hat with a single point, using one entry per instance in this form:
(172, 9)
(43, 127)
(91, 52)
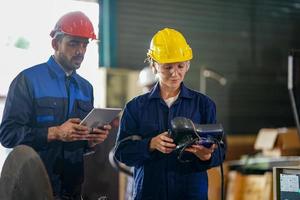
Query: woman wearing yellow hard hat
(143, 141)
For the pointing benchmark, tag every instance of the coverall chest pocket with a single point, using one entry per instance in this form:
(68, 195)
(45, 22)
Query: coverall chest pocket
(149, 129)
(83, 108)
(46, 111)
(196, 117)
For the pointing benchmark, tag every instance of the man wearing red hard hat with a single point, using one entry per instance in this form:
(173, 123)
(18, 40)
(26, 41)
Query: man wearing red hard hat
(46, 103)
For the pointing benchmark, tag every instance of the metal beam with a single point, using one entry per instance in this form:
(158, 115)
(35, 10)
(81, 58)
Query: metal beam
(107, 31)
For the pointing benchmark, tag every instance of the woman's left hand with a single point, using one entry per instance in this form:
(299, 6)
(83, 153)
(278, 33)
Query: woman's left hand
(202, 152)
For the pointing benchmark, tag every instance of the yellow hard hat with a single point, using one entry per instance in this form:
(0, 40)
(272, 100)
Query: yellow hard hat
(169, 46)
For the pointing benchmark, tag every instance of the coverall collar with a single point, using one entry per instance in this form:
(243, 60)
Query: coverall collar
(184, 92)
(58, 71)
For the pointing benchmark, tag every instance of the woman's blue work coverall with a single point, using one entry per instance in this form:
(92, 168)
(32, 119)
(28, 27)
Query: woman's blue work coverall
(38, 98)
(159, 176)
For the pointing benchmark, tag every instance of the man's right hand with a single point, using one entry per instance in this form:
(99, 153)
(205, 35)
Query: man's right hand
(69, 131)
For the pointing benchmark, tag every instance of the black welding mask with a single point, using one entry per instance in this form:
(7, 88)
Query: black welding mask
(185, 133)
(182, 132)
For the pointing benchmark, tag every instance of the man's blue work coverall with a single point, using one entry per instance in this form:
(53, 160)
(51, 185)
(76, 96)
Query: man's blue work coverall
(41, 97)
(159, 176)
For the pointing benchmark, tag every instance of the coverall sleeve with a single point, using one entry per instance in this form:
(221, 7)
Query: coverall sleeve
(218, 156)
(18, 118)
(131, 148)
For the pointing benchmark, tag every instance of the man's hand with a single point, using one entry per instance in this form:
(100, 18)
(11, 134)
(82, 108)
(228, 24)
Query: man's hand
(98, 135)
(69, 131)
(162, 143)
(202, 152)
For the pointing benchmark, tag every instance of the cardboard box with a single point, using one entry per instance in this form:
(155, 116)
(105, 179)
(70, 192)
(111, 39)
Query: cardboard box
(249, 187)
(278, 142)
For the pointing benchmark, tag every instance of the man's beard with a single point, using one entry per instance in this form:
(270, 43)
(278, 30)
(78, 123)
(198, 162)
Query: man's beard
(71, 65)
(77, 62)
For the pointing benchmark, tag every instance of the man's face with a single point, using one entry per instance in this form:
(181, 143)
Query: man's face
(69, 51)
(172, 74)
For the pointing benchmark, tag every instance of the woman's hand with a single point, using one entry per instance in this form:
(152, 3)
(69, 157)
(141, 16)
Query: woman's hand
(202, 152)
(162, 143)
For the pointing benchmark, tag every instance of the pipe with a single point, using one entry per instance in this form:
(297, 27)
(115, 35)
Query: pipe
(208, 73)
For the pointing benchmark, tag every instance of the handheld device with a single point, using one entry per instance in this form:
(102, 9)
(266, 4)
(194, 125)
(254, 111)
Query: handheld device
(97, 117)
(185, 133)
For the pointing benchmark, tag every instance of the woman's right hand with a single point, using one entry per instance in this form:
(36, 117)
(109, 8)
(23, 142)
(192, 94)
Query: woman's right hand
(162, 143)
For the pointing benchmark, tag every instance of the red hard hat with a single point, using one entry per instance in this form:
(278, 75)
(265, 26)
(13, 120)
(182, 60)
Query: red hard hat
(74, 24)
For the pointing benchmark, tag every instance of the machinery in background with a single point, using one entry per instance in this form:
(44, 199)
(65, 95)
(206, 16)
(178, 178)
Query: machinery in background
(286, 182)
(114, 87)
(294, 84)
(206, 73)
(24, 176)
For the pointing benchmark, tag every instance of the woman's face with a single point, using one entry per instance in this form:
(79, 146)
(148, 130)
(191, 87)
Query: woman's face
(171, 74)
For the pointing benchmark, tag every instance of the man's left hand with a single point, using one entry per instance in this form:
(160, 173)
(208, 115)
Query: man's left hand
(98, 135)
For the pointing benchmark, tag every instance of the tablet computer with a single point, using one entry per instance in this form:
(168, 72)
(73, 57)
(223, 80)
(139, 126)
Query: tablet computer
(98, 117)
